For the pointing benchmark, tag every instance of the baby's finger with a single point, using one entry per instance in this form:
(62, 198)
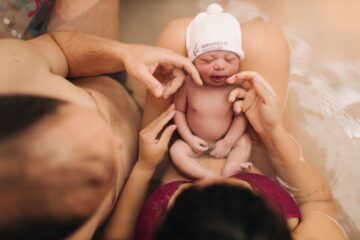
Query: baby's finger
(203, 148)
(202, 142)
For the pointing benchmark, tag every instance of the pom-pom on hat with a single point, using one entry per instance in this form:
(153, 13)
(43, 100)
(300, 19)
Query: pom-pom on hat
(213, 30)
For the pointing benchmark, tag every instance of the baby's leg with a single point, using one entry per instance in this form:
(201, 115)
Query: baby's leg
(238, 157)
(184, 160)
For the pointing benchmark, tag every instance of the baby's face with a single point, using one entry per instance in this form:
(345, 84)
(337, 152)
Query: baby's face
(215, 67)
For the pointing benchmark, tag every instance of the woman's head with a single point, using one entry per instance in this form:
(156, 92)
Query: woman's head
(222, 211)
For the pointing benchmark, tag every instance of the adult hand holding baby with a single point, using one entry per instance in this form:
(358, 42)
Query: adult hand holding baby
(259, 101)
(152, 146)
(143, 62)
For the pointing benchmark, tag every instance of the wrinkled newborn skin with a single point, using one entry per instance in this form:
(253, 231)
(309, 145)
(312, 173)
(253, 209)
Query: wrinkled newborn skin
(205, 119)
(209, 113)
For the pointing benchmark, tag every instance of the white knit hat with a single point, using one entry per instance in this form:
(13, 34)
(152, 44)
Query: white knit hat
(213, 30)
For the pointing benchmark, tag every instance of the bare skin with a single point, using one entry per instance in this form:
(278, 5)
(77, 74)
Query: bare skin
(256, 36)
(319, 215)
(84, 15)
(206, 122)
(318, 209)
(41, 66)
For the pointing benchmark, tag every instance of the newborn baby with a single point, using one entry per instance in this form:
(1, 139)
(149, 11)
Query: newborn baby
(204, 116)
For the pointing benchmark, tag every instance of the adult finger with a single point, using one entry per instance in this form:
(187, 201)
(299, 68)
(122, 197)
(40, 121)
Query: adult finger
(254, 76)
(166, 135)
(266, 93)
(173, 86)
(249, 100)
(150, 81)
(184, 63)
(234, 79)
(158, 124)
(241, 81)
(175, 83)
(237, 93)
(237, 106)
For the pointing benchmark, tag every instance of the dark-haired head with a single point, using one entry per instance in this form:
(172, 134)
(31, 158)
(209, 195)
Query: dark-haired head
(20, 112)
(56, 164)
(222, 212)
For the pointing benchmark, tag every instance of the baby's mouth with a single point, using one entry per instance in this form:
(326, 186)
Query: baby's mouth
(219, 78)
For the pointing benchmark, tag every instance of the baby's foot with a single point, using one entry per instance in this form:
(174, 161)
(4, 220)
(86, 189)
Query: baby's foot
(230, 170)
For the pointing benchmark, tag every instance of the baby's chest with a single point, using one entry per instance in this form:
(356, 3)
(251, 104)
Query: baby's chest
(209, 100)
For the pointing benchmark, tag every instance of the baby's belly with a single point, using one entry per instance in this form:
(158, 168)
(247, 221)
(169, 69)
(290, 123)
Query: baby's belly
(208, 128)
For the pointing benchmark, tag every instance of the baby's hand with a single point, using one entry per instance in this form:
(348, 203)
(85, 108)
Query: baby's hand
(197, 144)
(221, 149)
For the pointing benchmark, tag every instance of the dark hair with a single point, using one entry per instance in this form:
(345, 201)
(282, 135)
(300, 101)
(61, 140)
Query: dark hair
(224, 212)
(20, 112)
(40, 229)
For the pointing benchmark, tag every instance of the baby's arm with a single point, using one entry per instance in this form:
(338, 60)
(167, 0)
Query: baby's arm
(236, 130)
(180, 118)
(197, 144)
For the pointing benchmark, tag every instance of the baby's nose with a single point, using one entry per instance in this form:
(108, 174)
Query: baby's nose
(219, 66)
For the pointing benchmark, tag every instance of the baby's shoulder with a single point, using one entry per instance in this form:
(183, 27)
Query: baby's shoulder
(188, 82)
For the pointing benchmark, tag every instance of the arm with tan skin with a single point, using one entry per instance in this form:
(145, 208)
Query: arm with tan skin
(236, 130)
(84, 15)
(152, 150)
(262, 107)
(90, 55)
(77, 54)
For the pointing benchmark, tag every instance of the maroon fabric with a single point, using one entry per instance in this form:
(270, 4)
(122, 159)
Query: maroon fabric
(154, 209)
(273, 193)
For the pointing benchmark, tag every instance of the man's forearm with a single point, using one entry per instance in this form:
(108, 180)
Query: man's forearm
(89, 55)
